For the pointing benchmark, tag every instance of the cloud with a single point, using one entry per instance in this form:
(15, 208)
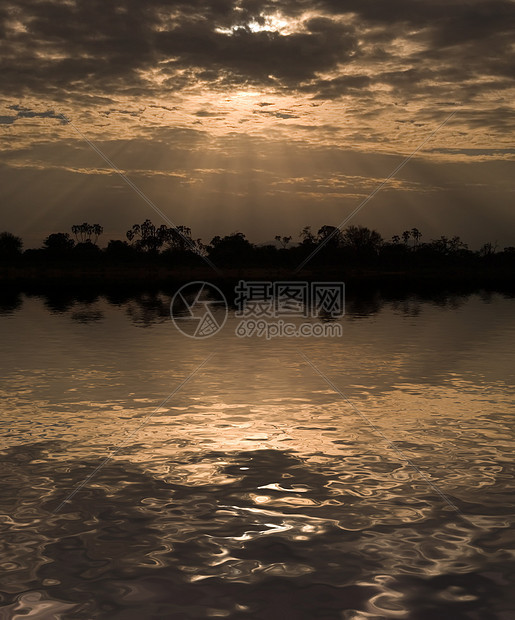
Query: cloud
(55, 185)
(262, 115)
(282, 115)
(370, 52)
(134, 113)
(22, 112)
(208, 114)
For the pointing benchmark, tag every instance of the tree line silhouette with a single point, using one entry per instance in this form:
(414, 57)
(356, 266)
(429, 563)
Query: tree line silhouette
(354, 247)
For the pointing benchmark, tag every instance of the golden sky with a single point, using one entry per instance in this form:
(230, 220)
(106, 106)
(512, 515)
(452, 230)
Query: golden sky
(262, 117)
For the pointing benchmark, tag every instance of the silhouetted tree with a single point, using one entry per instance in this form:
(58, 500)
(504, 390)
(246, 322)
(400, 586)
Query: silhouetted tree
(10, 245)
(307, 237)
(330, 235)
(148, 237)
(406, 235)
(87, 250)
(488, 249)
(233, 248)
(416, 234)
(119, 249)
(179, 239)
(282, 240)
(446, 246)
(87, 233)
(362, 240)
(58, 243)
(394, 254)
(456, 244)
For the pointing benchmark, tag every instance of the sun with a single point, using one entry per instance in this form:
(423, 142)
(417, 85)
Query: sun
(275, 23)
(271, 23)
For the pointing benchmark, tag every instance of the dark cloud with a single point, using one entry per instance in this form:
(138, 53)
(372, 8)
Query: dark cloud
(256, 57)
(22, 112)
(63, 49)
(343, 85)
(282, 115)
(475, 152)
(133, 113)
(208, 114)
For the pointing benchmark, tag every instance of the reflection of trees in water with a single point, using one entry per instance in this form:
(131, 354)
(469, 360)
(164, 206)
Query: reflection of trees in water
(131, 545)
(143, 308)
(366, 303)
(87, 316)
(10, 302)
(414, 305)
(58, 302)
(62, 301)
(147, 307)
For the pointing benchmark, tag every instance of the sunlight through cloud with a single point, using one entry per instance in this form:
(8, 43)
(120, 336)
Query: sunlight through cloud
(275, 23)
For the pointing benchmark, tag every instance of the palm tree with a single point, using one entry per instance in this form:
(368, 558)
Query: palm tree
(416, 234)
(84, 232)
(282, 240)
(97, 230)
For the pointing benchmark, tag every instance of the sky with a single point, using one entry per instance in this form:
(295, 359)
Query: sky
(259, 117)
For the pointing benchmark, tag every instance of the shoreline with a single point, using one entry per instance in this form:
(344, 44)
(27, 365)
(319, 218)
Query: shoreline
(73, 277)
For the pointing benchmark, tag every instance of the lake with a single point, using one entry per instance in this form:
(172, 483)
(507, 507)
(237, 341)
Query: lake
(148, 475)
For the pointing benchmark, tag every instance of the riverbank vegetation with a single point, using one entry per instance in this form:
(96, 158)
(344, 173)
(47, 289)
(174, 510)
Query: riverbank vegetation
(161, 252)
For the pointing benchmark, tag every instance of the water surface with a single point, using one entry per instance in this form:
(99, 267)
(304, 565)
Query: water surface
(257, 490)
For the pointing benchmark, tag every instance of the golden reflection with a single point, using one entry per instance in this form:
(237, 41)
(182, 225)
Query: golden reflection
(256, 473)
